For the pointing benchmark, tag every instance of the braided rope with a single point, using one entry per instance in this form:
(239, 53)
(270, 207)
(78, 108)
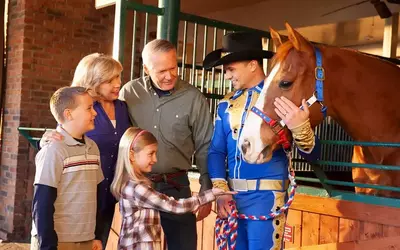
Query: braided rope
(227, 227)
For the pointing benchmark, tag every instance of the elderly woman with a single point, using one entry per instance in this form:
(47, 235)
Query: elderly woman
(101, 74)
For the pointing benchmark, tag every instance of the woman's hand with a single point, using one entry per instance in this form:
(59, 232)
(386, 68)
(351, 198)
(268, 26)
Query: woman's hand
(50, 136)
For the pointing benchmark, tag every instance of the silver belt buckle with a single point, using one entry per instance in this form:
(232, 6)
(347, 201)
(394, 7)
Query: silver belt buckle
(239, 185)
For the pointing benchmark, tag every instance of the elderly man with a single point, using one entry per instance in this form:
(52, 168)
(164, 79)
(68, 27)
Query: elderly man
(178, 115)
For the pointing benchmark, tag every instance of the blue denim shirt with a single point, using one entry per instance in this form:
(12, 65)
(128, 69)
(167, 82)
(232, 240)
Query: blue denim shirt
(107, 139)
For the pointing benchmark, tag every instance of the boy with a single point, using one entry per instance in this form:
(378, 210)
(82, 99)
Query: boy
(67, 175)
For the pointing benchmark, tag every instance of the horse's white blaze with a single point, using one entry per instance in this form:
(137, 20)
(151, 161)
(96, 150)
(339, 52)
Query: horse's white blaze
(252, 127)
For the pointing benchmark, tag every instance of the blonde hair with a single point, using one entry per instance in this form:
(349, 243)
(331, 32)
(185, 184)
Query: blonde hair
(95, 69)
(131, 141)
(157, 45)
(64, 98)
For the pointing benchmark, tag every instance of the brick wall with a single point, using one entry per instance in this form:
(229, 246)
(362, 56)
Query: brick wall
(46, 40)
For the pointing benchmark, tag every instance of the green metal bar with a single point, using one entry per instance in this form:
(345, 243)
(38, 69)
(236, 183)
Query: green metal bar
(133, 45)
(24, 131)
(349, 184)
(213, 68)
(30, 139)
(362, 185)
(357, 165)
(185, 27)
(199, 67)
(119, 30)
(145, 38)
(368, 199)
(194, 55)
(131, 5)
(34, 129)
(203, 72)
(168, 23)
(308, 179)
(366, 144)
(322, 177)
(219, 24)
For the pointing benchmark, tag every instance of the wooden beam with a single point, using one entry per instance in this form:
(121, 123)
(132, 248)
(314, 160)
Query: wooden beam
(99, 4)
(347, 209)
(376, 244)
(390, 36)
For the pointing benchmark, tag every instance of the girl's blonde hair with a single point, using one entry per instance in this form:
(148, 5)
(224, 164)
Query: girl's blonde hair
(95, 69)
(131, 142)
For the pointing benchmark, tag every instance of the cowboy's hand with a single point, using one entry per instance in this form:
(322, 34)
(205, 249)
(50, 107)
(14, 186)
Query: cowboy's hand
(50, 136)
(223, 208)
(203, 211)
(292, 115)
(97, 245)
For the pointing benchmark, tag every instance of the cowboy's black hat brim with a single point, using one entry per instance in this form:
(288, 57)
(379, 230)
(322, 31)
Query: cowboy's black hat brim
(214, 58)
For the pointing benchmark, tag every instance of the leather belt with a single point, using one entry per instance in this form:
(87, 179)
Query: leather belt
(263, 184)
(167, 178)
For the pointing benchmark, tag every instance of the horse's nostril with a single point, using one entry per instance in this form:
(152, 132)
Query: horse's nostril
(245, 146)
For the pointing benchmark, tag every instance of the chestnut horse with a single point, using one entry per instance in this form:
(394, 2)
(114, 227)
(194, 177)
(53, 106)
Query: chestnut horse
(360, 92)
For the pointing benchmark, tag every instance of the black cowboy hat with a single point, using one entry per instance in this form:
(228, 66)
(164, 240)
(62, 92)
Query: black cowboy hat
(236, 47)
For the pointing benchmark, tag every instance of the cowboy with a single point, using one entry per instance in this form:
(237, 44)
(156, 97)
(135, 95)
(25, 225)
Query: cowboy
(261, 187)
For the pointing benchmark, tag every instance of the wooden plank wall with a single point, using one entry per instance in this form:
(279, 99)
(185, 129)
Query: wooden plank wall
(320, 222)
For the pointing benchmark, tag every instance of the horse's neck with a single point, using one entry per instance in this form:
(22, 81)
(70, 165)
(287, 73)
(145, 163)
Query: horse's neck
(361, 93)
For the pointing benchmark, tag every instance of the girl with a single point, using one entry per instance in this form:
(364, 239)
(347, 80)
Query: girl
(139, 202)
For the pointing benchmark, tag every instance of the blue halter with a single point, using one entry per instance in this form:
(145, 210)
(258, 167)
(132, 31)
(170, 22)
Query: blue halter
(319, 80)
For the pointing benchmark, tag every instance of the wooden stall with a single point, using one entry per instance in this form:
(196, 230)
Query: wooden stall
(317, 223)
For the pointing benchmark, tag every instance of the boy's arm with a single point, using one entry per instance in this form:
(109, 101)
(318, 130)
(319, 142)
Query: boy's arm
(49, 168)
(98, 232)
(43, 212)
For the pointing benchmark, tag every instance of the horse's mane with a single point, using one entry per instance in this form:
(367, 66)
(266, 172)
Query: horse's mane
(282, 52)
(387, 60)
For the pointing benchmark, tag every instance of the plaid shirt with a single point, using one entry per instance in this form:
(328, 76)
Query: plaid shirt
(140, 205)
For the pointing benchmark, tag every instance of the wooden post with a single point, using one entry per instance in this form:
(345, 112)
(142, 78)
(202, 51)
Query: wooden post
(390, 36)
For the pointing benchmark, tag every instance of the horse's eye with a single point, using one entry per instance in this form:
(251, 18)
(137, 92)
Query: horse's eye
(285, 84)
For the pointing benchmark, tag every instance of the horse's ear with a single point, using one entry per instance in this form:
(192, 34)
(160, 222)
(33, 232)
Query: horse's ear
(298, 41)
(276, 38)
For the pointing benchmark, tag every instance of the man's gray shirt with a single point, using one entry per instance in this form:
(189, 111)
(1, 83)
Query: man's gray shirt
(181, 122)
